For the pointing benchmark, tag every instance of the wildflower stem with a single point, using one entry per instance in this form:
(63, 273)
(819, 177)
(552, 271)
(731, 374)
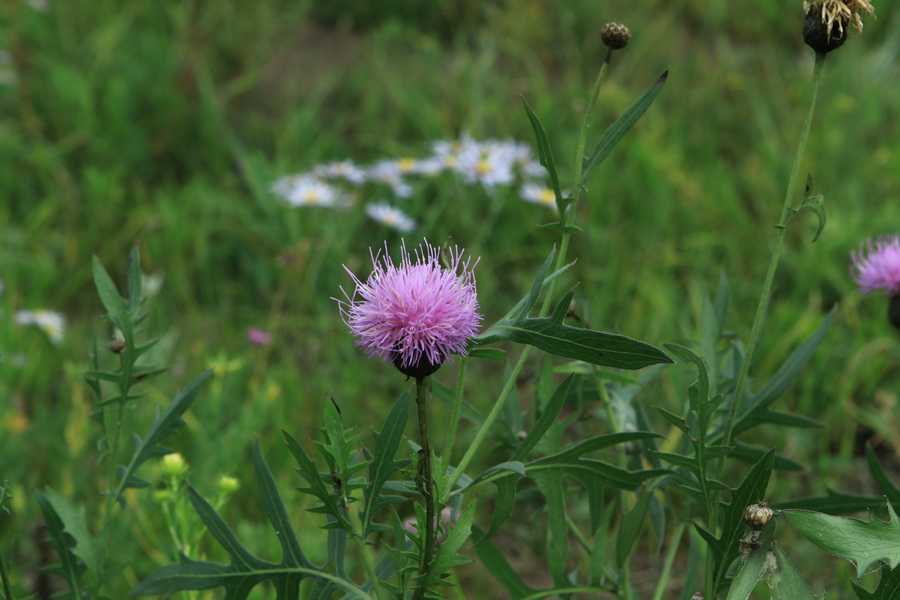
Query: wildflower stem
(565, 236)
(426, 487)
(777, 251)
(7, 591)
(455, 412)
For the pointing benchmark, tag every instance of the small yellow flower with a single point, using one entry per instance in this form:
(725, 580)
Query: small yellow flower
(228, 485)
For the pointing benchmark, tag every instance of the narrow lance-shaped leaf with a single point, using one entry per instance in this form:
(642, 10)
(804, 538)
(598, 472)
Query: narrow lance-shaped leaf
(497, 565)
(621, 126)
(545, 155)
(150, 446)
(553, 336)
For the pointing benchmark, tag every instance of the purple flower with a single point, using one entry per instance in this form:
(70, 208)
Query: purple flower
(415, 313)
(258, 337)
(877, 266)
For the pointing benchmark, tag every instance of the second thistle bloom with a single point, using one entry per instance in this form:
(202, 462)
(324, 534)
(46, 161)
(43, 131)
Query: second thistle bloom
(415, 313)
(877, 268)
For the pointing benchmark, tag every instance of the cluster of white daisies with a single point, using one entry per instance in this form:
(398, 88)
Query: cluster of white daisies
(488, 163)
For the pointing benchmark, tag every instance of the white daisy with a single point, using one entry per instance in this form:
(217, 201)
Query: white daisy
(489, 168)
(390, 216)
(51, 323)
(303, 190)
(344, 169)
(538, 194)
(391, 172)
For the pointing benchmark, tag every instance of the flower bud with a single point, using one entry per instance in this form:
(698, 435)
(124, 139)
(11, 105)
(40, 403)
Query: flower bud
(174, 465)
(162, 496)
(757, 516)
(117, 345)
(615, 35)
(894, 311)
(228, 485)
(423, 368)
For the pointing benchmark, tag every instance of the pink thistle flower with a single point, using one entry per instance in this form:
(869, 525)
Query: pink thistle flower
(259, 337)
(416, 313)
(877, 266)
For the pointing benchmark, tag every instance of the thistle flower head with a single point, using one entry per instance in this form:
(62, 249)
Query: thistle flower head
(415, 313)
(877, 266)
(615, 35)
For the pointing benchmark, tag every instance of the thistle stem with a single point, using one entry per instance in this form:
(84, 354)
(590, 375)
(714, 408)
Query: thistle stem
(425, 482)
(565, 236)
(777, 251)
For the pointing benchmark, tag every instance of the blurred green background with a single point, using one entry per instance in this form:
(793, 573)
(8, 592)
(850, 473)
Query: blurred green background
(163, 124)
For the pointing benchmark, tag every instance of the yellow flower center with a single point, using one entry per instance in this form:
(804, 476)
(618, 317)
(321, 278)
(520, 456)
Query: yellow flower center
(547, 196)
(483, 167)
(406, 165)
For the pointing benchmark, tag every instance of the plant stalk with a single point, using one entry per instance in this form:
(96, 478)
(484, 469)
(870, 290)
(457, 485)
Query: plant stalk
(565, 236)
(777, 251)
(455, 412)
(426, 487)
(4, 578)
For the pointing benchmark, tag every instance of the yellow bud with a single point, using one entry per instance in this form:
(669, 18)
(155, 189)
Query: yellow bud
(174, 465)
(228, 485)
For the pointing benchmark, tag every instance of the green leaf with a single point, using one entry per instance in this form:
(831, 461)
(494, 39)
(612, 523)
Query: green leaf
(115, 306)
(551, 485)
(545, 154)
(594, 443)
(448, 552)
(383, 465)
(884, 483)
(245, 571)
(337, 446)
(497, 565)
(863, 543)
(75, 523)
(835, 503)
(751, 454)
(888, 587)
(310, 473)
(785, 376)
(135, 279)
(553, 336)
(631, 528)
(784, 581)
(164, 424)
(751, 573)
(620, 127)
(814, 203)
(752, 489)
(64, 544)
(547, 419)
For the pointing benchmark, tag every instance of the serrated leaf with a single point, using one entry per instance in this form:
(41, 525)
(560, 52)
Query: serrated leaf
(614, 134)
(163, 425)
(245, 570)
(835, 503)
(884, 483)
(863, 543)
(382, 464)
(448, 552)
(316, 488)
(64, 542)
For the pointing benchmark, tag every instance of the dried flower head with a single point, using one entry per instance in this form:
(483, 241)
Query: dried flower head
(615, 35)
(827, 21)
(757, 516)
(415, 313)
(877, 266)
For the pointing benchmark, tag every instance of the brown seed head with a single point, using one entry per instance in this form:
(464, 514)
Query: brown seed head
(615, 35)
